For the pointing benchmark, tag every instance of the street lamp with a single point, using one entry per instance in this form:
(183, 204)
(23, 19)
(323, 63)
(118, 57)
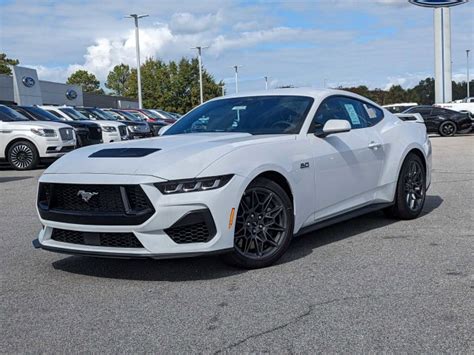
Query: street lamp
(266, 82)
(137, 45)
(199, 49)
(236, 69)
(467, 61)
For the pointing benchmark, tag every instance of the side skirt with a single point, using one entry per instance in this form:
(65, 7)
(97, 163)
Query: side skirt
(343, 217)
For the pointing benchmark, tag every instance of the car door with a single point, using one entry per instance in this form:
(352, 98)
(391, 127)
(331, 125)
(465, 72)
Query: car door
(4, 131)
(347, 165)
(431, 121)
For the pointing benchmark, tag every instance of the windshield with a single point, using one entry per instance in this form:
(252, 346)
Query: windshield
(130, 116)
(103, 114)
(41, 114)
(254, 115)
(7, 114)
(74, 114)
(163, 114)
(137, 114)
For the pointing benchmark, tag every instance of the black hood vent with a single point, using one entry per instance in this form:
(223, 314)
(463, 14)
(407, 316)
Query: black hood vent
(123, 152)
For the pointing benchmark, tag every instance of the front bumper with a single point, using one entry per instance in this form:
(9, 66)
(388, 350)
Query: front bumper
(152, 234)
(109, 137)
(55, 147)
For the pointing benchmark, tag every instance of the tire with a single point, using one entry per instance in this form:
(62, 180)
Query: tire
(411, 190)
(447, 129)
(22, 155)
(264, 225)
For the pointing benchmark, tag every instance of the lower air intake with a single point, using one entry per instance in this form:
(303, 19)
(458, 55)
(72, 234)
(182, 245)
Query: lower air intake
(115, 240)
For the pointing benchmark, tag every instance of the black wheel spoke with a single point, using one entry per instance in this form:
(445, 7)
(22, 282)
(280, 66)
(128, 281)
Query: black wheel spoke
(414, 186)
(261, 223)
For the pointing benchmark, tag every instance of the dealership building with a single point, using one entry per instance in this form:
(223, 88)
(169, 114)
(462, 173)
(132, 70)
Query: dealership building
(24, 88)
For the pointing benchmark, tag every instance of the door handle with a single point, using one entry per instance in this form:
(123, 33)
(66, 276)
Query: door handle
(374, 145)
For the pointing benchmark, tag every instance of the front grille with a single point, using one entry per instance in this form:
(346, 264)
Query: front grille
(106, 198)
(67, 134)
(195, 233)
(123, 131)
(94, 204)
(95, 133)
(115, 240)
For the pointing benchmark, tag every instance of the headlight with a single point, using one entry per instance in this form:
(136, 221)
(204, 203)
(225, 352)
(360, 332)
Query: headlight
(134, 128)
(44, 132)
(109, 129)
(193, 185)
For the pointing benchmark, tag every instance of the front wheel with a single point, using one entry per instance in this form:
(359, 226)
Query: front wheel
(411, 190)
(447, 129)
(23, 156)
(264, 225)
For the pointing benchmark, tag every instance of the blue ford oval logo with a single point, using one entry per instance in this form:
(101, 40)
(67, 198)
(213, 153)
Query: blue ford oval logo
(71, 94)
(28, 81)
(437, 3)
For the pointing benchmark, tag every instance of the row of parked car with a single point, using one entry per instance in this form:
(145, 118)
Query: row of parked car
(30, 134)
(441, 120)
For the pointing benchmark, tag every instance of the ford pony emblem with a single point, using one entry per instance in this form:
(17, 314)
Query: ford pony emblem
(28, 81)
(86, 195)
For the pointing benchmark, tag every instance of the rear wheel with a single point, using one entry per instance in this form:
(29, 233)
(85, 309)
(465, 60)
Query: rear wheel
(23, 155)
(447, 129)
(411, 190)
(264, 225)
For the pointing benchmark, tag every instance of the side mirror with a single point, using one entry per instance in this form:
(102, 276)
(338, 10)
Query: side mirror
(163, 130)
(334, 126)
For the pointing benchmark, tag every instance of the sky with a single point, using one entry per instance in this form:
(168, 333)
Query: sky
(315, 43)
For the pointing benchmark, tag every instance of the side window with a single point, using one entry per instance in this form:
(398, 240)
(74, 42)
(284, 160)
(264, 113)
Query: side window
(438, 111)
(374, 114)
(344, 108)
(54, 113)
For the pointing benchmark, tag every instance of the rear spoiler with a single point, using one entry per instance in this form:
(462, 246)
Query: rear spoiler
(413, 117)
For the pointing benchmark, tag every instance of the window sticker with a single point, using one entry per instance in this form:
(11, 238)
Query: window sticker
(370, 111)
(352, 114)
(238, 108)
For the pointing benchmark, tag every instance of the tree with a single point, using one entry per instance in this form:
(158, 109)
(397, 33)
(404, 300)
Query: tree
(172, 86)
(118, 78)
(5, 62)
(87, 80)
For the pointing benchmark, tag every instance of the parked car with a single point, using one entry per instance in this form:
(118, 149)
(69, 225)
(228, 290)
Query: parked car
(117, 130)
(109, 130)
(465, 106)
(87, 132)
(239, 175)
(24, 143)
(153, 116)
(399, 108)
(165, 116)
(155, 123)
(442, 121)
(137, 128)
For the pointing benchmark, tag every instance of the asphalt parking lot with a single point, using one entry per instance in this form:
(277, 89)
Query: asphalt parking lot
(366, 285)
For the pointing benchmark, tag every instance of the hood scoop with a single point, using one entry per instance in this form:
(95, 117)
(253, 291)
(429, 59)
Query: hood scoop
(124, 152)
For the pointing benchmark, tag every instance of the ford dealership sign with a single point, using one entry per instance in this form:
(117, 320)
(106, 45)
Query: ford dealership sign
(28, 81)
(437, 3)
(71, 94)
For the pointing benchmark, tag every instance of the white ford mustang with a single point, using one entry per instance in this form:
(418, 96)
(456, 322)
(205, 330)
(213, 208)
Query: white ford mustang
(239, 174)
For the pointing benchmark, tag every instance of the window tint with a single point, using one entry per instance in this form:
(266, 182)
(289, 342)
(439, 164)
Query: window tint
(54, 113)
(7, 114)
(421, 110)
(358, 113)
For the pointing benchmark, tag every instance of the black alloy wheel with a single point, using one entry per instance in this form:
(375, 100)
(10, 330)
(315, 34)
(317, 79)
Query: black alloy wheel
(447, 129)
(411, 190)
(264, 225)
(23, 156)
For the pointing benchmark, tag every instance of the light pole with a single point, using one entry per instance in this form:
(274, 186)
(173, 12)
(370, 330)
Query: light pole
(223, 89)
(266, 82)
(236, 69)
(199, 49)
(467, 72)
(137, 45)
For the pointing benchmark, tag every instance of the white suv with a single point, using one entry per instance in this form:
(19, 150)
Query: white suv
(110, 129)
(24, 143)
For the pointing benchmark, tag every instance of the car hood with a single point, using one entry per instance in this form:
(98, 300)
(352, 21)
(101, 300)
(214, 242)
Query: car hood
(27, 125)
(176, 157)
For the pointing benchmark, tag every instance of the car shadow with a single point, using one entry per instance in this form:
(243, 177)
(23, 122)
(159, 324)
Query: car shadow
(212, 267)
